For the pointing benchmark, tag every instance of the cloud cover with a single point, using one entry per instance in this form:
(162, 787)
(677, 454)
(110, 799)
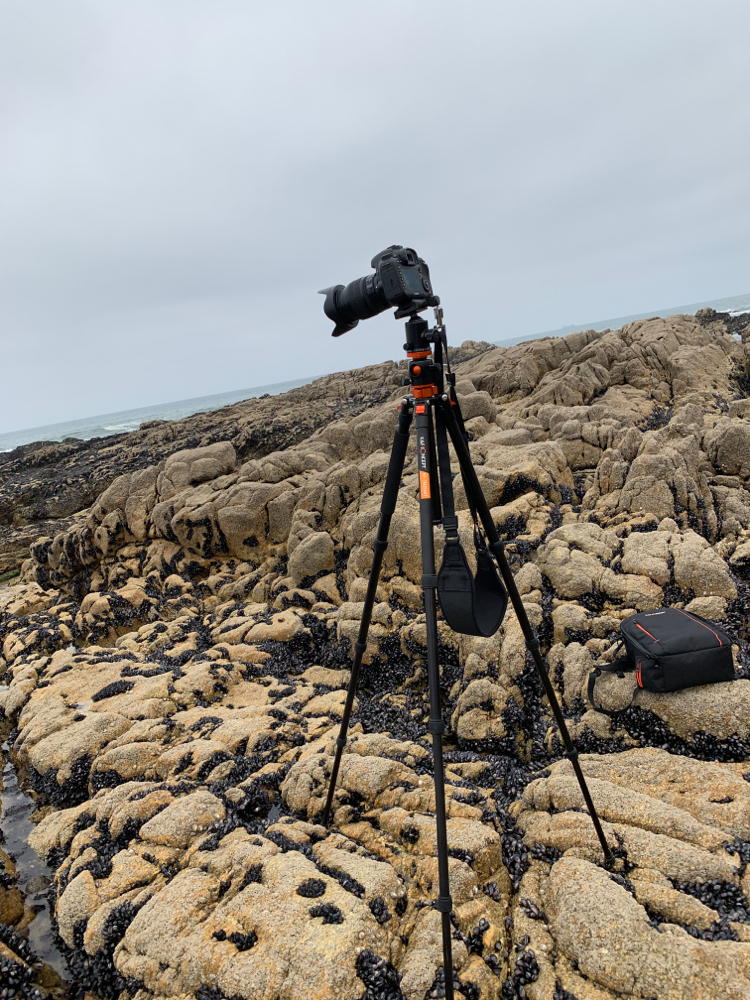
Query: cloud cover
(179, 177)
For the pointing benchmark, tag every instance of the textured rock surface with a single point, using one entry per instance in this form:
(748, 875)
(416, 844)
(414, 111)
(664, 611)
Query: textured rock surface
(176, 650)
(647, 931)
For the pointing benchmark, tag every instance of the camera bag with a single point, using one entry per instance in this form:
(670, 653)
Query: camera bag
(669, 649)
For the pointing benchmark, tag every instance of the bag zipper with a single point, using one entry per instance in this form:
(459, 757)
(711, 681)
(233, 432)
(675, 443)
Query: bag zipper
(646, 631)
(634, 642)
(648, 654)
(687, 615)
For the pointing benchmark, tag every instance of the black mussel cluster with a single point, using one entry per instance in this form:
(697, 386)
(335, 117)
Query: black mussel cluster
(380, 911)
(16, 976)
(311, 888)
(531, 910)
(467, 990)
(525, 971)
(381, 980)
(331, 914)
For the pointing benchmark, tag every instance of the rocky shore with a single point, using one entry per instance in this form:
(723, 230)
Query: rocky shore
(176, 631)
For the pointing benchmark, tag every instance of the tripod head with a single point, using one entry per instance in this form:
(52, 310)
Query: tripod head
(425, 372)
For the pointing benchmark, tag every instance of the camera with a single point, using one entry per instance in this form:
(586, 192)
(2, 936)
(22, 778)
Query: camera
(401, 279)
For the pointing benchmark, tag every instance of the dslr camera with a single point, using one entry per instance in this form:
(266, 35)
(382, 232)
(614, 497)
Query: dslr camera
(401, 279)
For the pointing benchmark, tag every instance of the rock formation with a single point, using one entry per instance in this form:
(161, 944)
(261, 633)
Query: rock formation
(176, 649)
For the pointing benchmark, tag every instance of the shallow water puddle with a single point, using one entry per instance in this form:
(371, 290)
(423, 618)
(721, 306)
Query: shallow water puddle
(33, 877)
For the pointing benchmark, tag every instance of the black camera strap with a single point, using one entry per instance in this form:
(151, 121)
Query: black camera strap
(450, 521)
(450, 379)
(471, 605)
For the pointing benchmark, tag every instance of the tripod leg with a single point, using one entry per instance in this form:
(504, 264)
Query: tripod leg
(387, 507)
(425, 460)
(532, 642)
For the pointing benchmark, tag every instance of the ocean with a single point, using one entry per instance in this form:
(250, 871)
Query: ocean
(734, 305)
(107, 424)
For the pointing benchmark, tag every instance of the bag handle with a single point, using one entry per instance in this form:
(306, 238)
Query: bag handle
(620, 666)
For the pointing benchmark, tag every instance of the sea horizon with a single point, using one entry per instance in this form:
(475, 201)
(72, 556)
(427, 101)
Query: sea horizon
(126, 421)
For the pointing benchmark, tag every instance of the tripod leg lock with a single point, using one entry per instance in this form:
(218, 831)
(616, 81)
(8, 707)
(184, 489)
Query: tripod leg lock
(436, 727)
(497, 548)
(532, 645)
(360, 647)
(340, 742)
(380, 545)
(444, 904)
(572, 754)
(429, 581)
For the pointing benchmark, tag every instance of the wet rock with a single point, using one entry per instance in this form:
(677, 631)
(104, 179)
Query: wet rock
(11, 901)
(79, 902)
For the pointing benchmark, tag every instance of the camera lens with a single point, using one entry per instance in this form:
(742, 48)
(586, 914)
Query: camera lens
(360, 299)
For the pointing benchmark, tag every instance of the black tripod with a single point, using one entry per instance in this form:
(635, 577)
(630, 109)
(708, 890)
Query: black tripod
(437, 412)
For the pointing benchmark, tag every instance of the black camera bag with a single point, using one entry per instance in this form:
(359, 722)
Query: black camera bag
(669, 649)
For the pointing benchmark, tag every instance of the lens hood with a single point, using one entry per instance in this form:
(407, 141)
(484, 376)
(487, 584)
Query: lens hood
(330, 308)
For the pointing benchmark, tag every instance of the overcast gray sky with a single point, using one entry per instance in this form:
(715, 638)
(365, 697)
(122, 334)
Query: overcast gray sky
(178, 178)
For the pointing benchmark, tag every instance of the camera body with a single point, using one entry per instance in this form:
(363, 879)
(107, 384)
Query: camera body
(404, 276)
(401, 279)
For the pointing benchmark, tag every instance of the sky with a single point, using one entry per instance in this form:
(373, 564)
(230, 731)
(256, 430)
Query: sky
(178, 178)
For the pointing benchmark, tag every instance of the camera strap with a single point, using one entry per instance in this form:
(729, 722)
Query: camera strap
(471, 605)
(450, 379)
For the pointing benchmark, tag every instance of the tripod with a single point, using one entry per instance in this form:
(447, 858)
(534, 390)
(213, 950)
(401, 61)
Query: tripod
(436, 412)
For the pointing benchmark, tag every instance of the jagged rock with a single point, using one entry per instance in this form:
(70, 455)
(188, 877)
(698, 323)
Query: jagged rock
(505, 471)
(176, 937)
(571, 560)
(685, 558)
(11, 901)
(678, 811)
(79, 902)
(728, 447)
(676, 819)
(719, 710)
(598, 924)
(196, 465)
(176, 825)
(313, 555)
(26, 599)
